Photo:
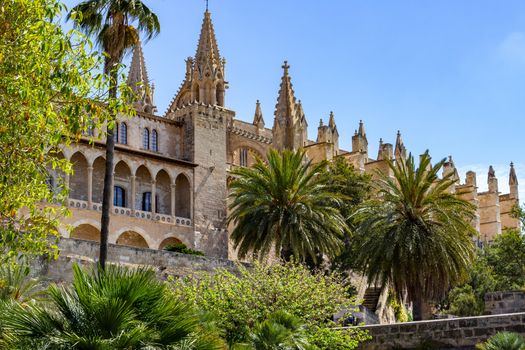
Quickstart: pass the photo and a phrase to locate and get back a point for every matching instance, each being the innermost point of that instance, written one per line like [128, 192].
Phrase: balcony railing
[139, 214]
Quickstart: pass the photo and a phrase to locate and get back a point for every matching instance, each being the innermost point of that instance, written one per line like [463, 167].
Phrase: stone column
[133, 193]
[173, 200]
[153, 190]
[90, 186]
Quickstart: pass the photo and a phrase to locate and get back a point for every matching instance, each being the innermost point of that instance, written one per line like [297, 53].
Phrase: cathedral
[171, 170]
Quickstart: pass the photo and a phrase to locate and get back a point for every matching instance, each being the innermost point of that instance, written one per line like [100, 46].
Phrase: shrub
[241, 301]
[503, 341]
[182, 248]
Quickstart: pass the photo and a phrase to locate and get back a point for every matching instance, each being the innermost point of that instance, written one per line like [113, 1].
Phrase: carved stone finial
[285, 66]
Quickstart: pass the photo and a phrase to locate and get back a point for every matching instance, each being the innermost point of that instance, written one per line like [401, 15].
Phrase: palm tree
[503, 341]
[111, 23]
[114, 308]
[17, 285]
[281, 331]
[287, 205]
[415, 235]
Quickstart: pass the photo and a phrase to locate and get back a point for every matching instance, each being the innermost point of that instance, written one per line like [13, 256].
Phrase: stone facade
[497, 303]
[457, 333]
[171, 171]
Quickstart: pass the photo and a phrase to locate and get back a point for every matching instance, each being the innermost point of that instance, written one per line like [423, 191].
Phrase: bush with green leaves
[242, 300]
[182, 248]
[115, 308]
[503, 341]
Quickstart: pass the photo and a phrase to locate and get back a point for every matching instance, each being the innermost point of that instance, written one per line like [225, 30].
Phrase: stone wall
[504, 302]
[458, 333]
[86, 253]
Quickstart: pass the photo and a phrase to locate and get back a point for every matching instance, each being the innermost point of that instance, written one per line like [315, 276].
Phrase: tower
[199, 110]
[359, 141]
[139, 83]
[290, 126]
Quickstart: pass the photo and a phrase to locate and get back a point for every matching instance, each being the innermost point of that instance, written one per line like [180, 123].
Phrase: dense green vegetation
[415, 235]
[49, 84]
[182, 248]
[241, 302]
[285, 205]
[503, 341]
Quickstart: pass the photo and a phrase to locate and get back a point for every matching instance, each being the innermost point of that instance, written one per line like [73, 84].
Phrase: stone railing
[455, 333]
[139, 214]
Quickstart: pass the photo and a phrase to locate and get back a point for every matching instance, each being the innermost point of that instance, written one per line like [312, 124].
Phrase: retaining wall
[457, 333]
[86, 253]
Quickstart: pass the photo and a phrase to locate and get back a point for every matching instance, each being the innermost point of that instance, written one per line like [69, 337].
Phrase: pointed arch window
[119, 197]
[154, 141]
[243, 157]
[146, 202]
[123, 134]
[145, 138]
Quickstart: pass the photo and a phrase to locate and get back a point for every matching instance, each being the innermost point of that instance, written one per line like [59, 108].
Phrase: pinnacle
[207, 49]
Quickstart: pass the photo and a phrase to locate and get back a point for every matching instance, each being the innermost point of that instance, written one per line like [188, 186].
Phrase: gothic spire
[207, 49]
[400, 150]
[513, 179]
[361, 130]
[286, 106]
[258, 117]
[331, 120]
[138, 81]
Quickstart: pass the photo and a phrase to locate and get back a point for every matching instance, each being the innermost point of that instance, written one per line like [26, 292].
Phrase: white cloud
[512, 48]
[502, 173]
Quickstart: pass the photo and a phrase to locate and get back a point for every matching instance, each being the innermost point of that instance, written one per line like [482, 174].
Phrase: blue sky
[449, 74]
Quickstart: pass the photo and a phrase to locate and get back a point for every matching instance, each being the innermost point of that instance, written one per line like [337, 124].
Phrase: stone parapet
[498, 303]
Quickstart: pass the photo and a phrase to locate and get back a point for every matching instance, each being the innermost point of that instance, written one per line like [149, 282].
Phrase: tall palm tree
[287, 205]
[111, 23]
[114, 308]
[415, 235]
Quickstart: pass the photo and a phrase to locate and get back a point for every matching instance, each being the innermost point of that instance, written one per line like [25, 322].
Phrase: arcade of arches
[140, 190]
[128, 238]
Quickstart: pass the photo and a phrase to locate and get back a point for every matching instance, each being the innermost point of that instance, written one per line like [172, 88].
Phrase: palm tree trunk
[108, 175]
[417, 307]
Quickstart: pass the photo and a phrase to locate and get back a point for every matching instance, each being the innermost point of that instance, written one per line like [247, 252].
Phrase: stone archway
[182, 197]
[163, 193]
[86, 232]
[169, 241]
[78, 181]
[132, 239]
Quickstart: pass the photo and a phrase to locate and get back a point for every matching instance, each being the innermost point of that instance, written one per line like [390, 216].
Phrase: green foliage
[115, 308]
[506, 257]
[356, 188]
[50, 89]
[17, 285]
[241, 301]
[464, 302]
[400, 312]
[503, 341]
[281, 331]
[182, 248]
[285, 204]
[416, 235]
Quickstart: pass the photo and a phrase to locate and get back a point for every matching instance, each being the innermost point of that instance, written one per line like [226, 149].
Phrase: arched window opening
[146, 202]
[145, 139]
[154, 141]
[243, 157]
[119, 197]
[183, 197]
[123, 134]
